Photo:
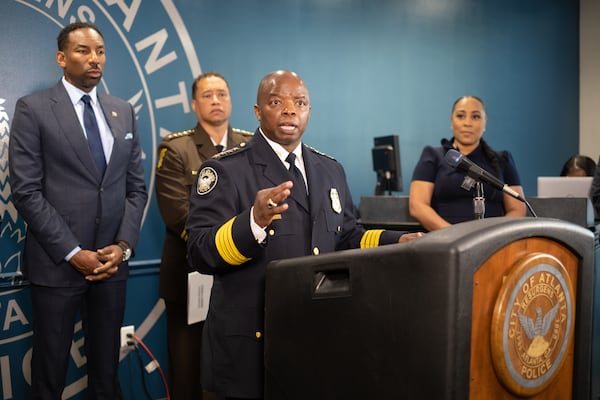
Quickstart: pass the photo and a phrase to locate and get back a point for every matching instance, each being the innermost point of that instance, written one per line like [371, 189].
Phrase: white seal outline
[188, 49]
[76, 387]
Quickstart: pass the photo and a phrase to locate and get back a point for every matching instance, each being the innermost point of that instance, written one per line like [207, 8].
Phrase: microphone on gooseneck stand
[457, 160]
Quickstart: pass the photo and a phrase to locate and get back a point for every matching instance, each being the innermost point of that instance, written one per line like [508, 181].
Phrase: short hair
[63, 35]
[206, 75]
[579, 162]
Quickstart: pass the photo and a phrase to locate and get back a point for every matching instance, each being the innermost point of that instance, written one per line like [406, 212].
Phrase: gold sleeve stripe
[225, 246]
[370, 238]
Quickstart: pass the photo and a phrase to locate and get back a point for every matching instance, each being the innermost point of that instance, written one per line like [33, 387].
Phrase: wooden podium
[499, 308]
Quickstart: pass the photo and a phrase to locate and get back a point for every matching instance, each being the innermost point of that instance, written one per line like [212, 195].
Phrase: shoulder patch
[161, 156]
[319, 152]
[176, 135]
[231, 151]
[243, 132]
[207, 180]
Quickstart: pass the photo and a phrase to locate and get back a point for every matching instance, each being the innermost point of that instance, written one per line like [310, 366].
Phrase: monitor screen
[386, 163]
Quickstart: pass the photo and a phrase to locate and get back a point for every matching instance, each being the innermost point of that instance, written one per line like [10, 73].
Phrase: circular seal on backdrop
[150, 61]
[532, 324]
[207, 180]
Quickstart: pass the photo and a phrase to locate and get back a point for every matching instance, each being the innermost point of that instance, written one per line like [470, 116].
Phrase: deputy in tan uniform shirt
[179, 158]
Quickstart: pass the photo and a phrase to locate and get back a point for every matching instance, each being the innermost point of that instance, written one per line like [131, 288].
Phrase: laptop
[564, 186]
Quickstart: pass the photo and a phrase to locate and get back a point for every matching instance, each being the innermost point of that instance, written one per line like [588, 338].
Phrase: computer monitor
[386, 163]
[564, 186]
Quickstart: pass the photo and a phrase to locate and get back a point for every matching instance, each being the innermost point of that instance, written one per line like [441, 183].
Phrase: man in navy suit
[83, 206]
[255, 204]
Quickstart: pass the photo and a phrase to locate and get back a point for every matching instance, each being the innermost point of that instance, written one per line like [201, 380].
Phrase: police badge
[207, 180]
[335, 200]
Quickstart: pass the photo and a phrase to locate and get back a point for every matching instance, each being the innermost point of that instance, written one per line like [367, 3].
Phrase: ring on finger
[271, 203]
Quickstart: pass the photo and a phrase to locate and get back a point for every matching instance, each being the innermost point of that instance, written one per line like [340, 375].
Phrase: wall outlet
[125, 331]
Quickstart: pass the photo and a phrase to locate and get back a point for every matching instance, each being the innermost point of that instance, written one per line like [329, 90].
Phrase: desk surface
[391, 212]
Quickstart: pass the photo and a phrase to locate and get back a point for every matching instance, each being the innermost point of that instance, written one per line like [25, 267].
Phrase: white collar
[75, 93]
[281, 152]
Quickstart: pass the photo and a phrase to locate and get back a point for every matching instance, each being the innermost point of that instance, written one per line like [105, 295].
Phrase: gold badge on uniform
[207, 180]
[335, 200]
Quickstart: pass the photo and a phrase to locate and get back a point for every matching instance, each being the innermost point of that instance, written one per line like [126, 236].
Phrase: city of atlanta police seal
[532, 324]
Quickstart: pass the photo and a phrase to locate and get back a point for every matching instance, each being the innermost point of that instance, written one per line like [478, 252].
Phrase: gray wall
[590, 79]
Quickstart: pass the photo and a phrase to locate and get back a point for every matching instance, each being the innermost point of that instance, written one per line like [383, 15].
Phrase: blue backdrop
[373, 67]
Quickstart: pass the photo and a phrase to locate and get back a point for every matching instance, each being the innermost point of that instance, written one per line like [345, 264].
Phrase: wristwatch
[126, 251]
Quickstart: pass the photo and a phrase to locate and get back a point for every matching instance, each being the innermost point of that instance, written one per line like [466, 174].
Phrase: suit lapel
[264, 156]
[314, 177]
[203, 143]
[273, 169]
[71, 128]
[110, 115]
[232, 139]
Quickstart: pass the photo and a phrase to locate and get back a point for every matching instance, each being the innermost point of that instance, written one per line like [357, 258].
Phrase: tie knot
[219, 148]
[86, 99]
[291, 158]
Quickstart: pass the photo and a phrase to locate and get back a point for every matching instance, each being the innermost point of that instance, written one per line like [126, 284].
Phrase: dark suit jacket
[221, 242]
[180, 155]
[59, 193]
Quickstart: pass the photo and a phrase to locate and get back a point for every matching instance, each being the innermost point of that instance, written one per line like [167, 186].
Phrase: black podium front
[428, 319]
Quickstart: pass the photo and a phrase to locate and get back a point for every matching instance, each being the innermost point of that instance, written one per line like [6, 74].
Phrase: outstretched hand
[407, 237]
[270, 202]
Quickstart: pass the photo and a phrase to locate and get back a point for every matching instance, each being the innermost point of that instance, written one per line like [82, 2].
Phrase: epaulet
[242, 132]
[319, 152]
[228, 152]
[175, 135]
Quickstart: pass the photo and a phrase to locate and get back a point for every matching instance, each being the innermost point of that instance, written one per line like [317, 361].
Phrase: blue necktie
[299, 188]
[93, 134]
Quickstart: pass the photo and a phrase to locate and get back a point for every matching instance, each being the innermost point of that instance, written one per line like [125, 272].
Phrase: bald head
[271, 80]
[283, 107]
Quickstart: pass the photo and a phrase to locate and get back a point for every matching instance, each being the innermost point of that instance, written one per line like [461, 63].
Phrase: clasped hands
[98, 265]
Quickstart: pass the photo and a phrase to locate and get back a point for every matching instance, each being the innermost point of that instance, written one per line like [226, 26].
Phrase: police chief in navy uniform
[246, 212]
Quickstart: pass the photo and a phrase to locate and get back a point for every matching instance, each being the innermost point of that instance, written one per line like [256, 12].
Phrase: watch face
[126, 252]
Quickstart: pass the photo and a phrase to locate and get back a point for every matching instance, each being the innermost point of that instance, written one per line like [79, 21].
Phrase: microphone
[457, 160]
